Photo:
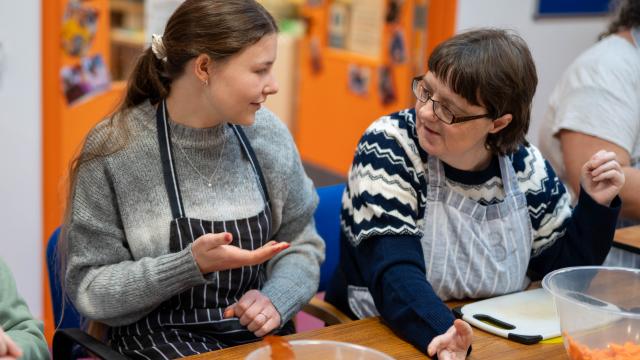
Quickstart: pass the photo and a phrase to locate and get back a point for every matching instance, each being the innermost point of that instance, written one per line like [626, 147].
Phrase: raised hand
[256, 312]
[602, 177]
[454, 344]
[212, 252]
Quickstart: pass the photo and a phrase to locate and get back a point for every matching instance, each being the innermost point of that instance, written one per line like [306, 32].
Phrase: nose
[424, 110]
[272, 86]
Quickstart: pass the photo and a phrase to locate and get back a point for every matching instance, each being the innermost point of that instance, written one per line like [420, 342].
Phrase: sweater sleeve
[394, 269]
[16, 320]
[294, 274]
[102, 279]
[586, 240]
[563, 236]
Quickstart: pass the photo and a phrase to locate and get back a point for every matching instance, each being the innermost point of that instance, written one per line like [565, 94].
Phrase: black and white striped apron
[192, 322]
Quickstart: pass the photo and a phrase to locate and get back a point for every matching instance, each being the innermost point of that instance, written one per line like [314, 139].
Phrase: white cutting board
[531, 316]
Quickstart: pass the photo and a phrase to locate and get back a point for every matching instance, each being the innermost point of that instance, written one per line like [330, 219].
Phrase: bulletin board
[356, 64]
[77, 93]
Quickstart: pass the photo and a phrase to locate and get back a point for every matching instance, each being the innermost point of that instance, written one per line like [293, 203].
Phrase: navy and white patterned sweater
[382, 223]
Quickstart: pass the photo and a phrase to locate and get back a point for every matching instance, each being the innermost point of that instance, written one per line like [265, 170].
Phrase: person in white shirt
[596, 105]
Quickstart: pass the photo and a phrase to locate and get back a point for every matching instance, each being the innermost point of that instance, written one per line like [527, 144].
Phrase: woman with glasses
[449, 201]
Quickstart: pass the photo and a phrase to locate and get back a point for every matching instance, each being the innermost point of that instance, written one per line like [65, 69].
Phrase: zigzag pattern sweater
[382, 224]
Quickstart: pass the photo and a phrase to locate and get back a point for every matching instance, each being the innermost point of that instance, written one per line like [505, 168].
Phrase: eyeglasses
[442, 113]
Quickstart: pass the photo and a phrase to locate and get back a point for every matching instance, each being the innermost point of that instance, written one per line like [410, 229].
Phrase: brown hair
[491, 68]
[217, 28]
[627, 16]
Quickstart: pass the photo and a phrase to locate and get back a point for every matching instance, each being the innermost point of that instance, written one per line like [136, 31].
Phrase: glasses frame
[417, 82]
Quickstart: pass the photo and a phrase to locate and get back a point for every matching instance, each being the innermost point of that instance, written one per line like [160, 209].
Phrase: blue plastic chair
[327, 219]
[71, 318]
[68, 334]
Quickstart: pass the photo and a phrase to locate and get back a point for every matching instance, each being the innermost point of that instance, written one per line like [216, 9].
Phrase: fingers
[8, 347]
[211, 241]
[267, 251]
[464, 331]
[229, 312]
[600, 158]
[256, 312]
[440, 341]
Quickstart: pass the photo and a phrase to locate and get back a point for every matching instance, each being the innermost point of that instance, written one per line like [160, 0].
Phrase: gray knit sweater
[119, 266]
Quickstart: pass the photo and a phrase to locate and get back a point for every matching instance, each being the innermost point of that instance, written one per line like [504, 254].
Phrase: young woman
[177, 199]
[449, 201]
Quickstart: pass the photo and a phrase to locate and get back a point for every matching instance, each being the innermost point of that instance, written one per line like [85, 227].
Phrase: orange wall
[64, 127]
[330, 117]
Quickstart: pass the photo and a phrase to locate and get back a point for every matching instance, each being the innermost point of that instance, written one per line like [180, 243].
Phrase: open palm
[454, 344]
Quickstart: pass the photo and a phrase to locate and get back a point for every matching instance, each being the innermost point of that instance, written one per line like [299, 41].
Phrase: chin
[429, 147]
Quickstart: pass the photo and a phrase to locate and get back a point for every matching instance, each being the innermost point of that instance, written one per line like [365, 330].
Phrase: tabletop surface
[374, 334]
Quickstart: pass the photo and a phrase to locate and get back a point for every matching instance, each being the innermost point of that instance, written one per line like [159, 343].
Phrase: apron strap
[169, 168]
[255, 164]
[168, 163]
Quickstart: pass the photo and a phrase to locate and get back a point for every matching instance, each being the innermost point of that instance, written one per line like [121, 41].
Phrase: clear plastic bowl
[323, 350]
[599, 310]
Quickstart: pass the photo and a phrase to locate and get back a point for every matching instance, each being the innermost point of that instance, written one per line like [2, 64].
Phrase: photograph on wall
[397, 47]
[554, 8]
[386, 86]
[85, 80]
[79, 25]
[338, 25]
[359, 79]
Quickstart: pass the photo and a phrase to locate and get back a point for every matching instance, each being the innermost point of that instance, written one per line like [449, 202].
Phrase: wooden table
[374, 334]
[628, 238]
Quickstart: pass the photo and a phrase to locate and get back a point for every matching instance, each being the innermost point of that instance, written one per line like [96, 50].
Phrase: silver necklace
[208, 181]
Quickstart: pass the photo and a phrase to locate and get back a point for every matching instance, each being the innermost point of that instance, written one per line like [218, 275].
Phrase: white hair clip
[157, 46]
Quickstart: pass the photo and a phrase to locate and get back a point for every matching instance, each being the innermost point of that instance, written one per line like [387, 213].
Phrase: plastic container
[599, 311]
[323, 350]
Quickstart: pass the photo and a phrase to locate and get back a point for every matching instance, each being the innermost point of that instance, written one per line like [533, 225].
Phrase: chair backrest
[327, 218]
[71, 318]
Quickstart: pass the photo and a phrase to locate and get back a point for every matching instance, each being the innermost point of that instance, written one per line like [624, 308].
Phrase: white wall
[20, 146]
[554, 43]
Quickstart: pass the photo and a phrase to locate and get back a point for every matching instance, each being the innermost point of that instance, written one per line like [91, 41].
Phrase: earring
[205, 82]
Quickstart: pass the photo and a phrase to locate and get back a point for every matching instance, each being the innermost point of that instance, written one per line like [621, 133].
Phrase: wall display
[572, 7]
[315, 55]
[386, 85]
[85, 80]
[397, 47]
[359, 79]
[338, 25]
[393, 11]
[78, 28]
[365, 27]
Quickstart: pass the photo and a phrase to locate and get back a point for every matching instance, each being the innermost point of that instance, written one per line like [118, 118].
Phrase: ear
[500, 123]
[203, 66]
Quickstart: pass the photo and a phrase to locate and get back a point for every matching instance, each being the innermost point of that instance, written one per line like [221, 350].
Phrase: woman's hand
[256, 312]
[212, 252]
[454, 344]
[602, 177]
[8, 349]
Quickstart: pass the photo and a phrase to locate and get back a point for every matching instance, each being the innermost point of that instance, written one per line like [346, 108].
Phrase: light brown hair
[492, 68]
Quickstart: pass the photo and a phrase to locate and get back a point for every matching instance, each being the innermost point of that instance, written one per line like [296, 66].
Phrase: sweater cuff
[599, 211]
[178, 271]
[285, 296]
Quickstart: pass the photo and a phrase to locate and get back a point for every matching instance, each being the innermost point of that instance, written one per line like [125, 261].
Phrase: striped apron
[192, 322]
[617, 256]
[470, 250]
